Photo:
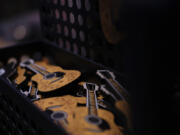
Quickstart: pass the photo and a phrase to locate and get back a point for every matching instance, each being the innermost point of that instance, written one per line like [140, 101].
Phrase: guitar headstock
[90, 86]
[26, 62]
[105, 74]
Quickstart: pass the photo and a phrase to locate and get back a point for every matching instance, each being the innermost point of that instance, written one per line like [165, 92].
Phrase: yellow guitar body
[85, 128]
[51, 84]
[47, 85]
[67, 104]
[77, 124]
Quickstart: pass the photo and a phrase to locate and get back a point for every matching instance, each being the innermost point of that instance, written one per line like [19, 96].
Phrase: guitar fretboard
[36, 68]
[92, 107]
[120, 90]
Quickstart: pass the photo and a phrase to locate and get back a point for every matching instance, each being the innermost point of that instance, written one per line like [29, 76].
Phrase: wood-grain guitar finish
[77, 119]
[48, 77]
[62, 111]
[21, 71]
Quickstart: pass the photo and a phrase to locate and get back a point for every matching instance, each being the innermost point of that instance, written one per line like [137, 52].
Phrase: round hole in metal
[73, 33]
[75, 48]
[64, 16]
[71, 18]
[82, 36]
[68, 46]
[61, 43]
[57, 14]
[66, 31]
[80, 20]
[78, 4]
[87, 5]
[58, 28]
[70, 3]
[62, 2]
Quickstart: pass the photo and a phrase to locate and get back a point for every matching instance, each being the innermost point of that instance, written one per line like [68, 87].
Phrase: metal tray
[17, 114]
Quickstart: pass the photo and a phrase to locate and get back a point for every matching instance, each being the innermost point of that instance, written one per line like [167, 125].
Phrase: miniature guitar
[110, 79]
[75, 119]
[91, 119]
[22, 71]
[48, 77]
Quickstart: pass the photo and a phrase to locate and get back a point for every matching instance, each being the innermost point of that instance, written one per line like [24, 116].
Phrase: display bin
[17, 114]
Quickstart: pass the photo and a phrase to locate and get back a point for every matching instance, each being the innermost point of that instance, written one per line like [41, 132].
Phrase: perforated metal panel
[75, 26]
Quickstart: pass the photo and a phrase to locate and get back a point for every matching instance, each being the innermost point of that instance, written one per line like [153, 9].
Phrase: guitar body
[51, 84]
[76, 123]
[47, 85]
[108, 126]
[66, 104]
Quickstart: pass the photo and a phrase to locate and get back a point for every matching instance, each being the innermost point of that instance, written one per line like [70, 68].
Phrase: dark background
[17, 16]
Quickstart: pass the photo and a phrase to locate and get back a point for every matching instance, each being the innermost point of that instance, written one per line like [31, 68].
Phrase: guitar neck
[92, 102]
[37, 69]
[119, 89]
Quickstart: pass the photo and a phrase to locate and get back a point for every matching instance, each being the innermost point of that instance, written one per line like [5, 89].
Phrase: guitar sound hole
[55, 74]
[93, 120]
[59, 115]
[59, 74]
[49, 76]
